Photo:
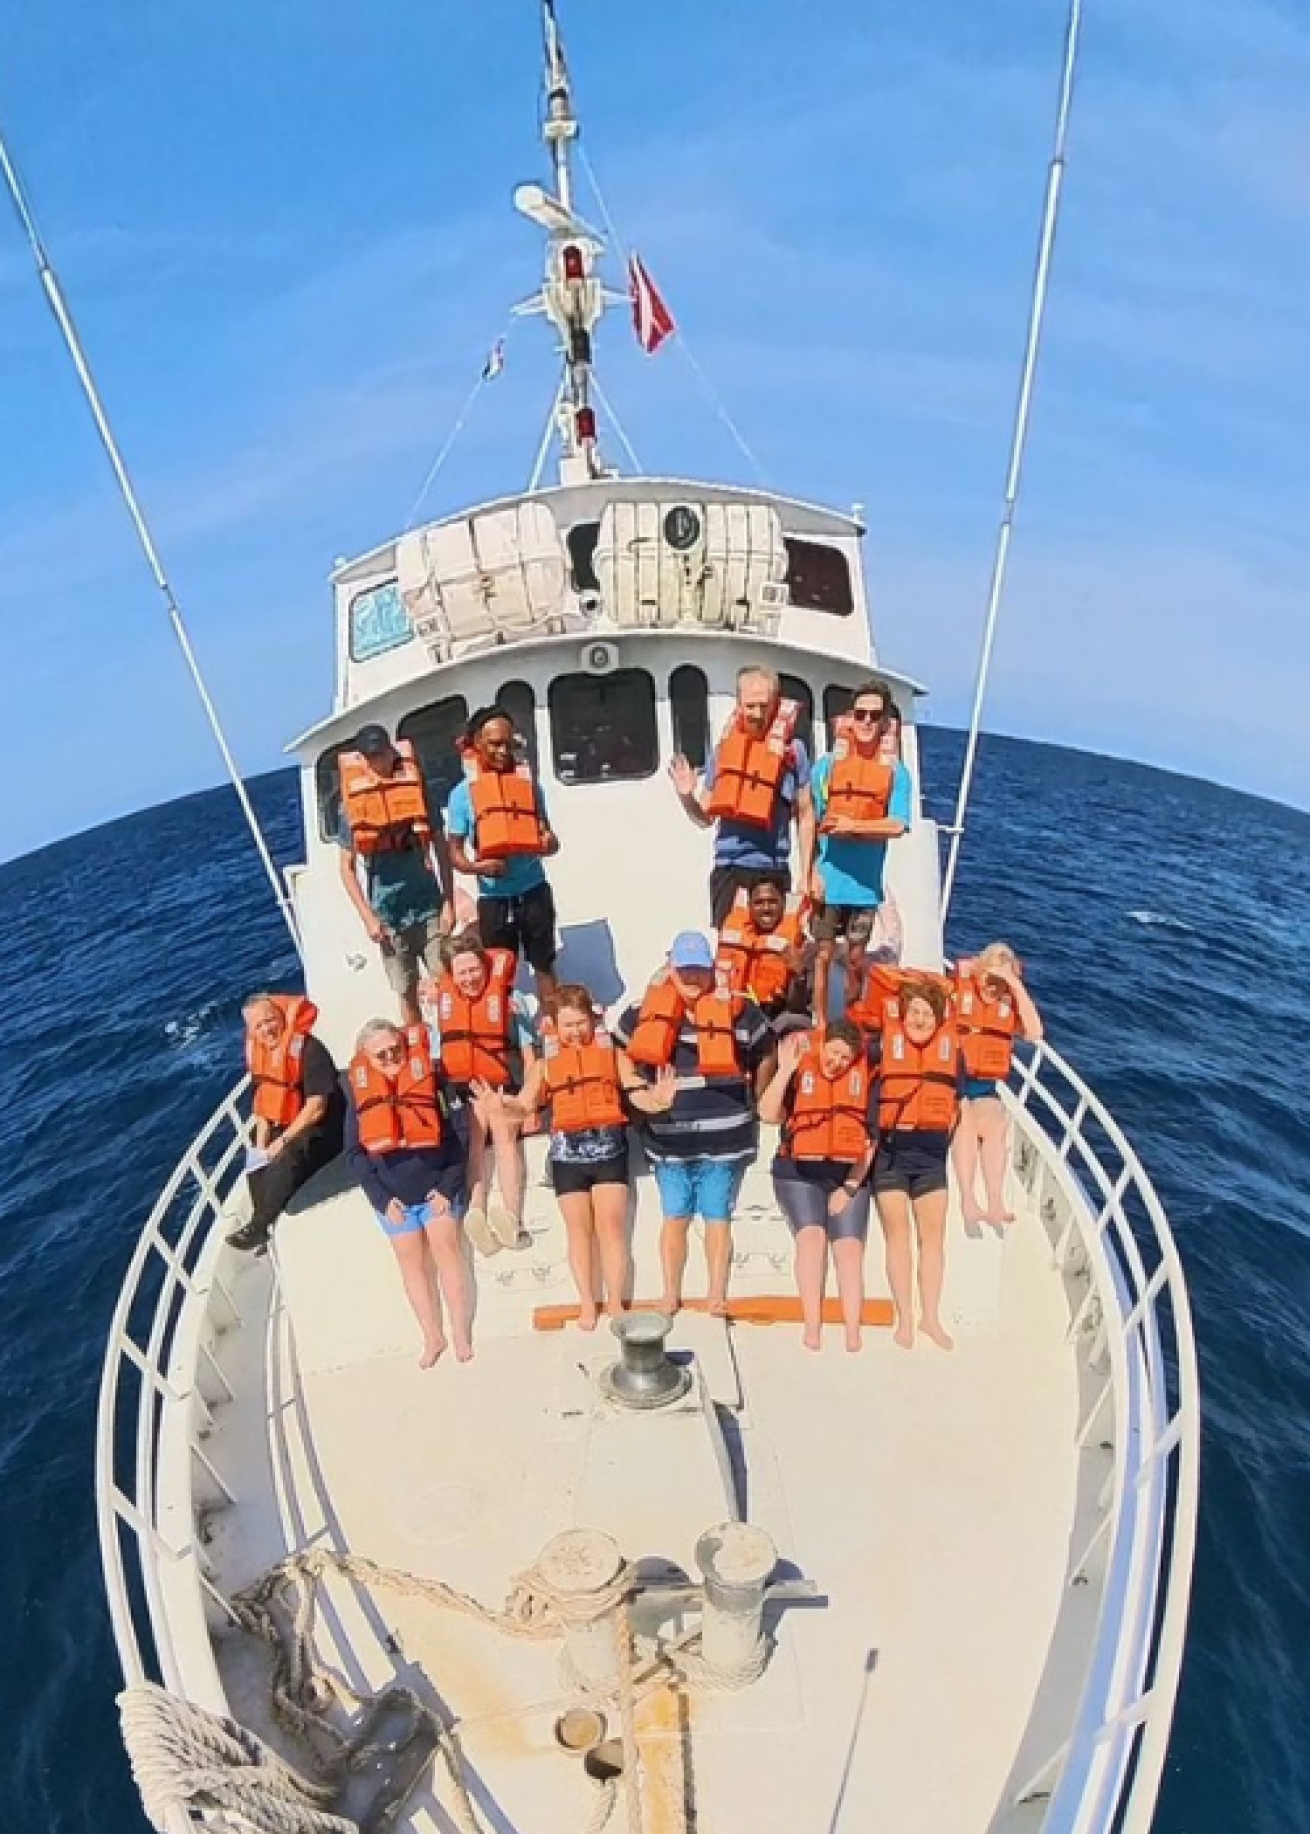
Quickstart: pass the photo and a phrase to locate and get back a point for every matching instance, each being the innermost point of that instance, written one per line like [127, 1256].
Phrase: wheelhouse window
[602, 727]
[818, 577]
[378, 622]
[518, 700]
[794, 688]
[689, 706]
[434, 731]
[327, 785]
[582, 539]
[836, 701]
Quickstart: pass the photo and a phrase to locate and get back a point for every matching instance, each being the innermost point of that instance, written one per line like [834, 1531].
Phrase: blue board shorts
[699, 1187]
[976, 1088]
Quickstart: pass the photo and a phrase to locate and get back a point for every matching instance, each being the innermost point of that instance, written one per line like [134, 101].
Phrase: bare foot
[932, 1329]
[717, 1307]
[854, 1338]
[812, 1338]
[463, 1352]
[973, 1216]
[432, 1349]
[903, 1335]
[999, 1218]
[670, 1305]
[586, 1318]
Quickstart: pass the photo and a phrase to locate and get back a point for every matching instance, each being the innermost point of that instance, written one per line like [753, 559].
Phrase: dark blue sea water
[1166, 927]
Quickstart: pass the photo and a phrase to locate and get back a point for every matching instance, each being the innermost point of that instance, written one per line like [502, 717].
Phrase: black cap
[372, 741]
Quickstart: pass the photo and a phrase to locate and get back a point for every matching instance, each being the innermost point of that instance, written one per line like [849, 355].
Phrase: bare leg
[848, 1262]
[964, 1154]
[894, 1215]
[811, 1277]
[823, 955]
[855, 971]
[511, 1176]
[547, 982]
[418, 1276]
[994, 1140]
[579, 1226]
[718, 1263]
[609, 1209]
[673, 1260]
[443, 1240]
[477, 1158]
[930, 1220]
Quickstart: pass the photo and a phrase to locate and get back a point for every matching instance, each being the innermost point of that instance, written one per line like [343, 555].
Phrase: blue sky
[286, 234]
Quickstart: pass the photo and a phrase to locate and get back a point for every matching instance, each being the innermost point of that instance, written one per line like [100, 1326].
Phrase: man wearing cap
[394, 864]
[708, 1053]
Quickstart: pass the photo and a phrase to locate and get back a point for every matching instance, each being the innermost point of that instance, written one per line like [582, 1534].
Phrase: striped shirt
[708, 1120]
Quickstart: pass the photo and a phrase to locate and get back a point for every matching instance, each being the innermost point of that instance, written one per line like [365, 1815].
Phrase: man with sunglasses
[862, 802]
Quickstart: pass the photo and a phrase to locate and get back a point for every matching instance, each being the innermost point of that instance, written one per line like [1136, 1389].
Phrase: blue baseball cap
[690, 949]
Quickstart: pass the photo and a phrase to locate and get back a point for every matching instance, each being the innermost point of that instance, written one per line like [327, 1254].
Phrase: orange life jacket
[402, 1110]
[748, 771]
[879, 1003]
[755, 962]
[661, 1019]
[829, 1116]
[859, 787]
[582, 1081]
[918, 1085]
[505, 817]
[475, 1034]
[987, 1029]
[385, 813]
[278, 1070]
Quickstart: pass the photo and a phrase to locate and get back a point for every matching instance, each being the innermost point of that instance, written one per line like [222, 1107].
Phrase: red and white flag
[651, 318]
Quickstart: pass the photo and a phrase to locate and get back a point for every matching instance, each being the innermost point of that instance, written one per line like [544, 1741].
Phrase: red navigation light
[586, 424]
[574, 266]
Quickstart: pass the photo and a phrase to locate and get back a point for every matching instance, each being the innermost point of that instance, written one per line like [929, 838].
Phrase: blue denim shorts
[416, 1217]
[699, 1187]
[976, 1089]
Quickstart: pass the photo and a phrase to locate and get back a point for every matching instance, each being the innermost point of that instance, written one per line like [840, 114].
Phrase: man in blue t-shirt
[848, 880]
[516, 908]
[746, 853]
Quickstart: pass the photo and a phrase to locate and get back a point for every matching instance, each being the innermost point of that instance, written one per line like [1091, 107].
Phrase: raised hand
[682, 775]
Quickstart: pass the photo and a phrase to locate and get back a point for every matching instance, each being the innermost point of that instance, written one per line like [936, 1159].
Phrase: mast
[571, 296]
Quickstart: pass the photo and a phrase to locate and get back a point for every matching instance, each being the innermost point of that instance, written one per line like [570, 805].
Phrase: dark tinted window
[518, 700]
[433, 731]
[582, 539]
[327, 780]
[793, 688]
[689, 705]
[818, 578]
[602, 727]
[836, 701]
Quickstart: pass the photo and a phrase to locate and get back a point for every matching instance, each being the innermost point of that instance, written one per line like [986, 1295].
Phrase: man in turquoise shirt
[848, 877]
[516, 908]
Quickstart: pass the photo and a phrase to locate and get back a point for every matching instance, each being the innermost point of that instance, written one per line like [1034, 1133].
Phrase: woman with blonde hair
[992, 1009]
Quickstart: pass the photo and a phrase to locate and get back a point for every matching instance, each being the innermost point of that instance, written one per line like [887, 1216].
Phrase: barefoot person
[394, 864]
[297, 1104]
[486, 1045]
[992, 1008]
[918, 1084]
[411, 1166]
[755, 790]
[819, 1097]
[580, 1076]
[703, 1131]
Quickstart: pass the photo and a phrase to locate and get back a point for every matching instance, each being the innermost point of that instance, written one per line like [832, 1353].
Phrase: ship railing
[1133, 1322]
[161, 1378]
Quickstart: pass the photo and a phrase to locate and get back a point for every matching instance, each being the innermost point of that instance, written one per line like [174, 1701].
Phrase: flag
[495, 361]
[651, 318]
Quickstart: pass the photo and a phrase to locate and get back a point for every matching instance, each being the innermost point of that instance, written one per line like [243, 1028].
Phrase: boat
[674, 1579]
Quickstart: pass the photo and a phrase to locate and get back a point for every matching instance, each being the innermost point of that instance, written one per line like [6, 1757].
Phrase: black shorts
[525, 925]
[853, 921]
[569, 1176]
[727, 881]
[803, 1187]
[911, 1162]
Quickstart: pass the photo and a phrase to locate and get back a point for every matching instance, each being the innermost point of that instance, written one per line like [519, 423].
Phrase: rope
[448, 444]
[1019, 437]
[127, 490]
[617, 424]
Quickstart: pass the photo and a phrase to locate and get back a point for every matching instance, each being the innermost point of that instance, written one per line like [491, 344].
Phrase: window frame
[398, 642]
[797, 548]
[795, 687]
[611, 678]
[702, 690]
[526, 728]
[436, 805]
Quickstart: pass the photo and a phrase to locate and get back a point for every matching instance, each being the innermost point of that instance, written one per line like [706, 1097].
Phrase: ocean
[1165, 924]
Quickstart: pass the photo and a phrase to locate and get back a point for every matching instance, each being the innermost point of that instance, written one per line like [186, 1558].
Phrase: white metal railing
[154, 1370]
[1091, 1191]
[1107, 1224]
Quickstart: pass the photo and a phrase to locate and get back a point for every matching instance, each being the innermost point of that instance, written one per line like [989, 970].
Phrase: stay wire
[702, 380]
[127, 490]
[1019, 436]
[447, 445]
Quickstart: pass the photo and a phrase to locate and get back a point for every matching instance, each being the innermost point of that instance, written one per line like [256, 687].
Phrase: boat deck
[930, 1497]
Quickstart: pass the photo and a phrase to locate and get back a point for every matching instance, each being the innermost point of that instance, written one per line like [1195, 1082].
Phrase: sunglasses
[864, 718]
[392, 1053]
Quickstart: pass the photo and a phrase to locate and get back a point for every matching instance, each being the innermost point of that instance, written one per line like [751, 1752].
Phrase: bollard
[580, 1567]
[737, 1561]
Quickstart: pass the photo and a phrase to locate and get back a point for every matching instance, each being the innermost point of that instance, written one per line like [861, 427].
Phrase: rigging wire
[73, 343]
[547, 436]
[447, 445]
[707, 388]
[1019, 436]
[617, 425]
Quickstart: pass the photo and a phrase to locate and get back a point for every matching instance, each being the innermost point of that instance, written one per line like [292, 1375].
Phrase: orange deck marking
[758, 1309]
